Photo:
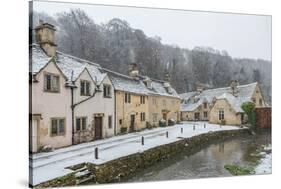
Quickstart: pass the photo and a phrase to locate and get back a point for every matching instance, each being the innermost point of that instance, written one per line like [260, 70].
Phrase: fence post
[96, 153]
[167, 134]
[142, 140]
[181, 130]
[194, 127]
[204, 125]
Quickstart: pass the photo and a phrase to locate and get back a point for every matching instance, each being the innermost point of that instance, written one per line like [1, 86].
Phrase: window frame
[142, 99]
[109, 122]
[81, 123]
[260, 101]
[142, 116]
[58, 133]
[221, 114]
[85, 87]
[52, 75]
[127, 98]
[106, 88]
[205, 114]
[154, 117]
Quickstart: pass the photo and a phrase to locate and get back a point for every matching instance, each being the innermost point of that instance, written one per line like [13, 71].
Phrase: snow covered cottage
[72, 99]
[142, 102]
[214, 105]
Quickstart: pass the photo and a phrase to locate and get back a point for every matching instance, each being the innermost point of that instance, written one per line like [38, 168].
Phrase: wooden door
[165, 116]
[132, 123]
[98, 128]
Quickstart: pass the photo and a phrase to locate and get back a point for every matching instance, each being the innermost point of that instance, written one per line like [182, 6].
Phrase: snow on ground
[47, 166]
[265, 165]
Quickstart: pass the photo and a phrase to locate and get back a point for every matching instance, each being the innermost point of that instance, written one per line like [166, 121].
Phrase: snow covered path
[47, 166]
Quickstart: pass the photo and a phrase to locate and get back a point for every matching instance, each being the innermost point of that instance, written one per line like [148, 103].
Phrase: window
[205, 105]
[205, 114]
[154, 117]
[81, 123]
[142, 99]
[120, 121]
[57, 126]
[85, 88]
[110, 122]
[260, 101]
[51, 83]
[106, 91]
[127, 98]
[221, 114]
[142, 116]
[254, 100]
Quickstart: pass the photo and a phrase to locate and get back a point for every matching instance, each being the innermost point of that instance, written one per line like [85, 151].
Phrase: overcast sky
[242, 36]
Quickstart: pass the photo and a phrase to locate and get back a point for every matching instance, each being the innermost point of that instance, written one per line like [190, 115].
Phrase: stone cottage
[142, 102]
[72, 100]
[214, 105]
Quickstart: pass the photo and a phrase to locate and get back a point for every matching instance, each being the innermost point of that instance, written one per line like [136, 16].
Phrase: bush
[123, 129]
[148, 125]
[171, 122]
[162, 123]
[249, 109]
[223, 122]
[236, 170]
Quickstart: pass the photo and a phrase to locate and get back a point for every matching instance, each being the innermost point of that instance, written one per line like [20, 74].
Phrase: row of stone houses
[221, 105]
[75, 100]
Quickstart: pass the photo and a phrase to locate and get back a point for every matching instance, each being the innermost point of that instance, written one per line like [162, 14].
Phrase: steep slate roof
[67, 63]
[72, 67]
[244, 95]
[159, 89]
[126, 83]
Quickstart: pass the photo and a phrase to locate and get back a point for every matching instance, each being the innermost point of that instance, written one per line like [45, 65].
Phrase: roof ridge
[119, 74]
[84, 60]
[239, 86]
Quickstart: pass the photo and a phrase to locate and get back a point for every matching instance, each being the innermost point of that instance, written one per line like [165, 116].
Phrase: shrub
[148, 125]
[162, 123]
[171, 122]
[249, 109]
[223, 122]
[123, 129]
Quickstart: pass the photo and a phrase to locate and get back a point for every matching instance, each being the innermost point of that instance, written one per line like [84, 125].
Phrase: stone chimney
[234, 87]
[133, 70]
[199, 88]
[167, 77]
[45, 37]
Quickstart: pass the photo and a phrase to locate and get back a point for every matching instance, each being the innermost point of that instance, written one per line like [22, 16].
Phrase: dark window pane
[87, 88]
[54, 127]
[61, 126]
[83, 123]
[48, 82]
[82, 89]
[78, 124]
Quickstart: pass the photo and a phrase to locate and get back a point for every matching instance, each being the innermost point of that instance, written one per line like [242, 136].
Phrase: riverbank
[156, 148]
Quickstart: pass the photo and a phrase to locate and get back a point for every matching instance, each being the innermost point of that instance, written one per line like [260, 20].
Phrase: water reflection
[209, 162]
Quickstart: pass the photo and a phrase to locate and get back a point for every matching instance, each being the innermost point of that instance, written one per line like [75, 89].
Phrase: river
[210, 161]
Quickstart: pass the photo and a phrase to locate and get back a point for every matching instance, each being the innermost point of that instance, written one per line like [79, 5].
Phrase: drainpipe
[72, 115]
[115, 117]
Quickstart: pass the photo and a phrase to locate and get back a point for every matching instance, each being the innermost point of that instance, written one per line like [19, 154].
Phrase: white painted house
[72, 100]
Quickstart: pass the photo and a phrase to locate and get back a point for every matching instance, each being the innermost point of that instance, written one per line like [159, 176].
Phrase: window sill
[85, 95]
[107, 96]
[47, 91]
[53, 135]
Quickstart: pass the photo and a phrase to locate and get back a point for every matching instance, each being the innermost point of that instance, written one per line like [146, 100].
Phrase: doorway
[132, 123]
[98, 128]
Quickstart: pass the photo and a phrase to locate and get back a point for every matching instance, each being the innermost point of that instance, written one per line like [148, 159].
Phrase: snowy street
[47, 166]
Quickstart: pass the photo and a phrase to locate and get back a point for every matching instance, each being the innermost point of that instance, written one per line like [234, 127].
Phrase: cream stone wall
[257, 96]
[51, 105]
[125, 110]
[230, 116]
[160, 104]
[95, 105]
[190, 115]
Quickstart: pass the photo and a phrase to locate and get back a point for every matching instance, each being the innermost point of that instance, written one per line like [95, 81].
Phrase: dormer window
[51, 83]
[85, 88]
[106, 91]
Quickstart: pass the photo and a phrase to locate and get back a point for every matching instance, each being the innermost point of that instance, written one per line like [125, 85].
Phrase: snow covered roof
[67, 63]
[193, 100]
[126, 83]
[158, 88]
